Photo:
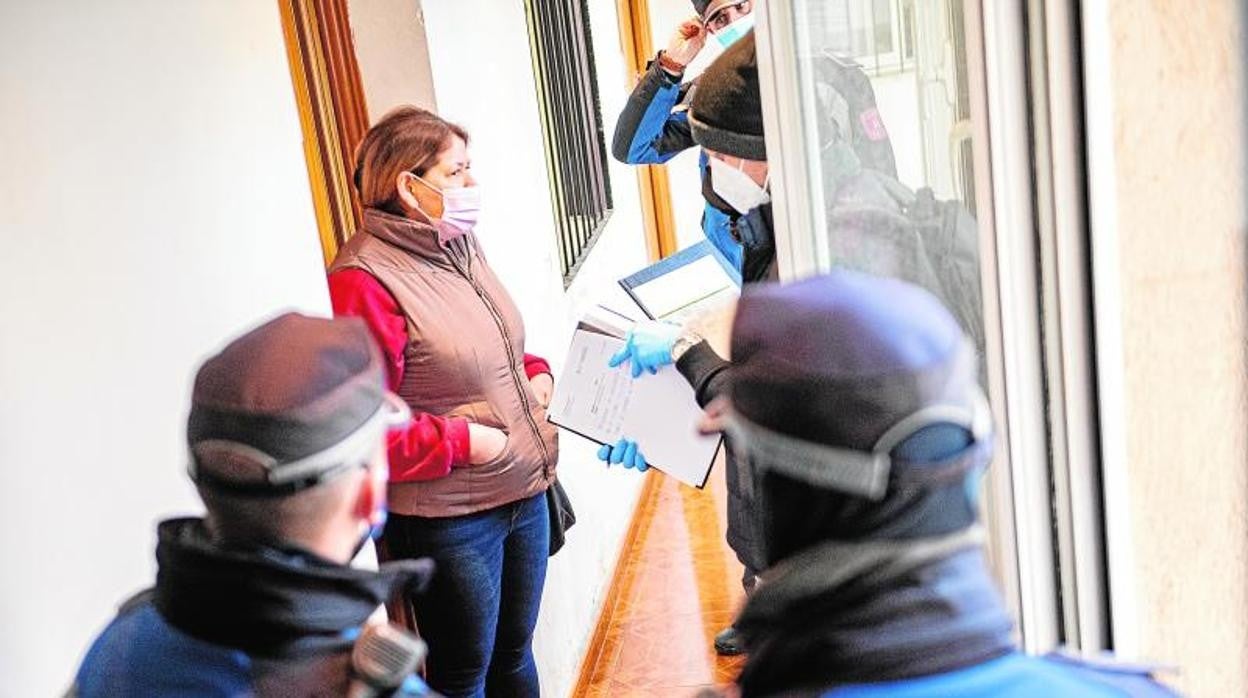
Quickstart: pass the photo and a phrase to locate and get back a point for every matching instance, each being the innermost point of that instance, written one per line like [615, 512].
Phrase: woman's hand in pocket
[543, 387]
[484, 443]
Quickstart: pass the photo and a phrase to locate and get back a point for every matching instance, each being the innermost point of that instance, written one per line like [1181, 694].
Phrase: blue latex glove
[648, 346]
[624, 451]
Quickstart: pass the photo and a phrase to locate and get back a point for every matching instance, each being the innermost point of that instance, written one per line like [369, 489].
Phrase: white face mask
[736, 187]
[461, 206]
[739, 28]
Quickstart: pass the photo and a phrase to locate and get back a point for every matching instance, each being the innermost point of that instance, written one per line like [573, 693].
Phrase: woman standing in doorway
[468, 476]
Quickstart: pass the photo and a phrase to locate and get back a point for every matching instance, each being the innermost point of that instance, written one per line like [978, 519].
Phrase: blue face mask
[379, 527]
[373, 533]
[739, 28]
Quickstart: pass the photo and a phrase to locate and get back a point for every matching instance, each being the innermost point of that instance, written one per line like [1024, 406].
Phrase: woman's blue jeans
[478, 613]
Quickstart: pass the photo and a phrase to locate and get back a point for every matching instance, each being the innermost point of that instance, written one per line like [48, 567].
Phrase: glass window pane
[885, 183]
[883, 25]
[892, 142]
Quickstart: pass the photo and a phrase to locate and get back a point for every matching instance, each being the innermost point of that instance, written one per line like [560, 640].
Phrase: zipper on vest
[466, 271]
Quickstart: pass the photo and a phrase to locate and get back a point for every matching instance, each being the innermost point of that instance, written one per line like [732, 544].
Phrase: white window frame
[1100, 138]
[1071, 362]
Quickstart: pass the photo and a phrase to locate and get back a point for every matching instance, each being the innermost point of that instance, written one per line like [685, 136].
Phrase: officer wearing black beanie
[286, 444]
[653, 128]
[726, 119]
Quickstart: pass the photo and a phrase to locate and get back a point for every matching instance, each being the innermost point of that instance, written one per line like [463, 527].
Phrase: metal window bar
[582, 184]
[544, 36]
[571, 158]
[594, 140]
[572, 134]
[536, 44]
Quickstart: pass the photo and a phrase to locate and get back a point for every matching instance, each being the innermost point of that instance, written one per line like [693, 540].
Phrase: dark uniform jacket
[261, 622]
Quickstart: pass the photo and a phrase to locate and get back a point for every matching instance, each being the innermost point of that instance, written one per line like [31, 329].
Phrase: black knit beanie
[726, 113]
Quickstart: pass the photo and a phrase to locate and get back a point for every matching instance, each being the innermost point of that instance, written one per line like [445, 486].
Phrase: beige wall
[1177, 130]
[392, 53]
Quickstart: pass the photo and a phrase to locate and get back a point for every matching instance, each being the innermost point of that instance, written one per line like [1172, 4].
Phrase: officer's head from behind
[861, 435]
[856, 401]
[287, 437]
[287, 446]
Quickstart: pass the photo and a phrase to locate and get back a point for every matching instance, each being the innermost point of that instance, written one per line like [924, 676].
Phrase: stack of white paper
[657, 411]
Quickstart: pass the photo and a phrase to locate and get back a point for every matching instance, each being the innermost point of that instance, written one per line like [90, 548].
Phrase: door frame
[332, 112]
[652, 180]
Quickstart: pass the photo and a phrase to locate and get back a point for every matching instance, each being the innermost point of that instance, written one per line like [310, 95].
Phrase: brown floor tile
[677, 585]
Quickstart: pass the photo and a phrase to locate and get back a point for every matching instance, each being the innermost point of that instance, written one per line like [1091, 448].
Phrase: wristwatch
[684, 342]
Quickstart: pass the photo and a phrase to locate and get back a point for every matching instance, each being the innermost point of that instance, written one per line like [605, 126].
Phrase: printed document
[658, 411]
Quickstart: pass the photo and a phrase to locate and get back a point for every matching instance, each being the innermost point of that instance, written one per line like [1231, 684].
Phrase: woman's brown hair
[407, 139]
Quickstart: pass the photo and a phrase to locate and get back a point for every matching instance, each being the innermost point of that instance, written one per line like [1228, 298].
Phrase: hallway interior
[677, 585]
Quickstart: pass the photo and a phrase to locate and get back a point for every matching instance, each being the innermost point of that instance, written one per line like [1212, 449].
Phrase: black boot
[728, 642]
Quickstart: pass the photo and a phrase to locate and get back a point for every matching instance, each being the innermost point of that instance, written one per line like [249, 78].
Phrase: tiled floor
[678, 585]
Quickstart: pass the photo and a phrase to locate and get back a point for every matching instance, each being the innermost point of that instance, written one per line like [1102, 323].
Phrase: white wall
[390, 48]
[153, 201]
[483, 80]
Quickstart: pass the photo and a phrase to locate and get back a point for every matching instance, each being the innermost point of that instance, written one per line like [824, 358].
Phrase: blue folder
[667, 265]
